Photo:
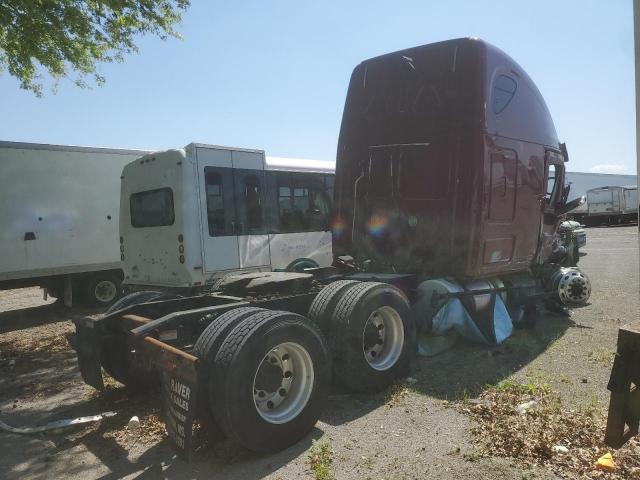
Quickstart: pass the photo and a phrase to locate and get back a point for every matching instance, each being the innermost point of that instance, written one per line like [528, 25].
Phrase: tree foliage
[59, 36]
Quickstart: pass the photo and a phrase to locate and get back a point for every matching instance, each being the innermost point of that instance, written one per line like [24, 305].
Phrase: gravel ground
[412, 432]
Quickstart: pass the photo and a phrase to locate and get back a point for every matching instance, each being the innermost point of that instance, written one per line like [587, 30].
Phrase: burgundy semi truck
[448, 165]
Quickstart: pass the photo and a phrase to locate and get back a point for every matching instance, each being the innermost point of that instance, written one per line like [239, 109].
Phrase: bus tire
[299, 264]
[373, 337]
[270, 380]
[323, 305]
[206, 349]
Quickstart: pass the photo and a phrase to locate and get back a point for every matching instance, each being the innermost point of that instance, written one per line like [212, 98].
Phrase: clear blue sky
[273, 75]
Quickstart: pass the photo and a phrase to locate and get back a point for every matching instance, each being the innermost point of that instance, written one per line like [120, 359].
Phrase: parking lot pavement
[410, 433]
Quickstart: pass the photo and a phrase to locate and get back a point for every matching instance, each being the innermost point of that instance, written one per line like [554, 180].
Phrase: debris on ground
[536, 438]
[144, 424]
[28, 344]
[134, 423]
[525, 407]
[605, 462]
[396, 394]
[56, 424]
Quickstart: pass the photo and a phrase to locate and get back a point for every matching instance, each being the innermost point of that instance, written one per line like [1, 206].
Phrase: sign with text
[179, 395]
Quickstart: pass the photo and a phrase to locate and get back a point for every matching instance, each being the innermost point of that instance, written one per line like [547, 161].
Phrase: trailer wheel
[206, 348]
[373, 336]
[324, 303]
[102, 289]
[270, 380]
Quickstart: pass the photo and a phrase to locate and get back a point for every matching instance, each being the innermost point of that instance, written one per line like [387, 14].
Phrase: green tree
[59, 36]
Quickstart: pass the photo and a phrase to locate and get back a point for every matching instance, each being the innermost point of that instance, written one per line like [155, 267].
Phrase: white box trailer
[59, 217]
[612, 205]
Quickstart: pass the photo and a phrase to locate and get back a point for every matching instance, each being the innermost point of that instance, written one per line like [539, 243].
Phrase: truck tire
[373, 337]
[270, 380]
[206, 349]
[323, 305]
[102, 289]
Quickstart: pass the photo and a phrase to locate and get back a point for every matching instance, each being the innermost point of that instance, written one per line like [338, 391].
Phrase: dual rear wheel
[265, 375]
[265, 378]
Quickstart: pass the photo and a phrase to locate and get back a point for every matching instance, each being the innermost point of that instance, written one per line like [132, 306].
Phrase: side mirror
[563, 149]
[575, 203]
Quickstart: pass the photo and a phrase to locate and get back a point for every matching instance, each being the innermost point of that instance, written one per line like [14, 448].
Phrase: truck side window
[504, 88]
[252, 202]
[551, 182]
[215, 203]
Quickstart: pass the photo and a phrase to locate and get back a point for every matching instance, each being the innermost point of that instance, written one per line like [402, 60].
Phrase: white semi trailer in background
[59, 213]
[612, 205]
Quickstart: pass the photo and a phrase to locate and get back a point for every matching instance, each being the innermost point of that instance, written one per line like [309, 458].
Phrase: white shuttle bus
[190, 216]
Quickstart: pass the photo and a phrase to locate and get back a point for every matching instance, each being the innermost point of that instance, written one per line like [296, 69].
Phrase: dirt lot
[416, 430]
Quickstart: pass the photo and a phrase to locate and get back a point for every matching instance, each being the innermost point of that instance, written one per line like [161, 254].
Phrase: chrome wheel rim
[105, 291]
[283, 383]
[383, 338]
[574, 287]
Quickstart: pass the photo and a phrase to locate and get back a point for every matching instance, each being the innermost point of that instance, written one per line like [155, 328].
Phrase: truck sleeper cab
[190, 216]
[447, 165]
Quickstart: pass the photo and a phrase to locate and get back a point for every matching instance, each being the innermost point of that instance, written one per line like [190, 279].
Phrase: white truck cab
[191, 215]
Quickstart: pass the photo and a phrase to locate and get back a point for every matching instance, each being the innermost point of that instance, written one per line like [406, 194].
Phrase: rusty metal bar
[157, 343]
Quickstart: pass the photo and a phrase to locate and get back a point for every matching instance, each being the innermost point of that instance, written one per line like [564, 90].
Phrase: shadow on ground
[461, 372]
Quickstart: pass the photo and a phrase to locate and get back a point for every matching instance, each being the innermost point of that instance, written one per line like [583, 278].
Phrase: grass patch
[320, 460]
[532, 388]
[604, 357]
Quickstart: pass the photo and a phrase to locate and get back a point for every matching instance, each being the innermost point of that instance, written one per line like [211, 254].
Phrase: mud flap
[89, 348]
[179, 394]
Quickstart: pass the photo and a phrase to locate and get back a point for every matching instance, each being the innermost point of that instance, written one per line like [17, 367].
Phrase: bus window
[215, 202]
[253, 203]
[320, 210]
[153, 208]
[303, 205]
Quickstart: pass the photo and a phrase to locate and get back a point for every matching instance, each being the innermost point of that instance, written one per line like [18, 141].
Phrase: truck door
[551, 199]
[218, 211]
[249, 184]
